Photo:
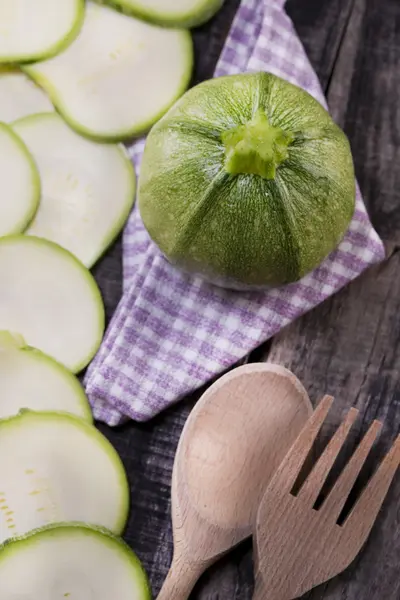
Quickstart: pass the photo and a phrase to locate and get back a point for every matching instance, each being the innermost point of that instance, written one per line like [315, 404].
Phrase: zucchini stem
[256, 148]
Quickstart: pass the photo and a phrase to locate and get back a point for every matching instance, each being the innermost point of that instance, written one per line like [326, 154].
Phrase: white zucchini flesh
[32, 380]
[35, 29]
[55, 467]
[51, 299]
[88, 188]
[119, 76]
[71, 561]
[178, 13]
[20, 96]
[19, 183]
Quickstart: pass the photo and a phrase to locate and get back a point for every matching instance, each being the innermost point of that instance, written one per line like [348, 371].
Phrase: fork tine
[337, 497]
[374, 494]
[289, 469]
[314, 482]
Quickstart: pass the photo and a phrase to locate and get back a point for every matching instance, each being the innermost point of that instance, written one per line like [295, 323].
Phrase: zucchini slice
[88, 188]
[119, 76]
[33, 30]
[19, 183]
[56, 467]
[20, 96]
[33, 380]
[71, 561]
[51, 299]
[170, 13]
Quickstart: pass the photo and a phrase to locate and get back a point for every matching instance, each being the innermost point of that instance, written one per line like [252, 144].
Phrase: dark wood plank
[370, 114]
[321, 25]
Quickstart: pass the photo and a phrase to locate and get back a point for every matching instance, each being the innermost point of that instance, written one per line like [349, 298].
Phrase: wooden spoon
[230, 447]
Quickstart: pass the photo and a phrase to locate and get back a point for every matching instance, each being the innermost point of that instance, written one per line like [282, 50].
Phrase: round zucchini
[247, 181]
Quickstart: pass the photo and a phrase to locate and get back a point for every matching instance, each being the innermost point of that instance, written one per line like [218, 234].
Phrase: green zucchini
[71, 560]
[88, 188]
[119, 76]
[36, 30]
[33, 380]
[51, 299]
[56, 467]
[247, 181]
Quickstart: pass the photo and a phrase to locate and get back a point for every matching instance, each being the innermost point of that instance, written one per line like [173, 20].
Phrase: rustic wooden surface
[349, 346]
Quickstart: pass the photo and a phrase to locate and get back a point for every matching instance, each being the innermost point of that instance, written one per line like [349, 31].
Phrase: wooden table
[349, 346]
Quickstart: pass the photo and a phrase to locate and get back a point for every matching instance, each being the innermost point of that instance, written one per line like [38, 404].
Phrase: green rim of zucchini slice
[56, 467]
[32, 380]
[36, 30]
[119, 76]
[19, 183]
[51, 299]
[88, 188]
[169, 13]
[77, 561]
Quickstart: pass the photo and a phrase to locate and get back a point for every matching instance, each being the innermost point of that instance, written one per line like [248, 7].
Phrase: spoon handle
[180, 580]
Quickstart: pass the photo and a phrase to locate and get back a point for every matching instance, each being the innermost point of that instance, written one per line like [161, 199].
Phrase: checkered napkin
[173, 332]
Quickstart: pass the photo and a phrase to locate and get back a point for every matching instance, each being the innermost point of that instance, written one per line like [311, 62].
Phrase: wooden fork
[298, 547]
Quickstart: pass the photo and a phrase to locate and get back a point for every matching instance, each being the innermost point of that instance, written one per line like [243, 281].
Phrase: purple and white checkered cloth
[173, 332]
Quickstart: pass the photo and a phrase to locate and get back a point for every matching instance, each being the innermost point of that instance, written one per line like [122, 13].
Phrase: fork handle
[180, 580]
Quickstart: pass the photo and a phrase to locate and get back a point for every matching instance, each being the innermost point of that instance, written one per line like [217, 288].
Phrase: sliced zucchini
[33, 30]
[170, 13]
[19, 183]
[51, 299]
[20, 96]
[33, 380]
[56, 467]
[119, 76]
[87, 188]
[72, 561]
